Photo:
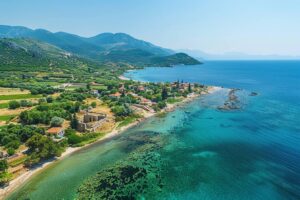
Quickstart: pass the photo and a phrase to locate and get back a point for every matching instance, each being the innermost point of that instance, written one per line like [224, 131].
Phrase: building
[145, 101]
[90, 122]
[56, 132]
[117, 95]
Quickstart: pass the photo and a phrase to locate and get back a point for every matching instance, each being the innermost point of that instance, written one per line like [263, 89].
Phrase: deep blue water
[198, 151]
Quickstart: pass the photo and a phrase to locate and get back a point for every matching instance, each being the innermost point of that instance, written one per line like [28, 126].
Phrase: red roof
[54, 130]
[117, 94]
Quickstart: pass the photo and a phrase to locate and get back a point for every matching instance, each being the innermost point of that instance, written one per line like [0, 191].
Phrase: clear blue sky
[216, 26]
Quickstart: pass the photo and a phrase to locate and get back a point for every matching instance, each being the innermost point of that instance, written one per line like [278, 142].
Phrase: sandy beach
[20, 180]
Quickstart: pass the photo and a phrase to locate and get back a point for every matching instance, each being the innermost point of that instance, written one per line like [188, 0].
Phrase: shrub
[10, 151]
[14, 104]
[94, 104]
[56, 121]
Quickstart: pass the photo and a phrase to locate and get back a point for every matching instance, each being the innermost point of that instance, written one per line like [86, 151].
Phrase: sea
[197, 151]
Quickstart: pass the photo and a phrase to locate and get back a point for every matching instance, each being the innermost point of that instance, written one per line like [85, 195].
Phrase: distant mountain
[236, 56]
[28, 54]
[107, 47]
[122, 41]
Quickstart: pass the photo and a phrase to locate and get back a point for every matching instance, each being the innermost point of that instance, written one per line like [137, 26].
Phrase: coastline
[20, 180]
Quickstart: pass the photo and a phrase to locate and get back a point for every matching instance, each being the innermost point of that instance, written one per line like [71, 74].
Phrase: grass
[3, 105]
[18, 161]
[19, 96]
[127, 121]
[6, 117]
[99, 87]
[173, 100]
[89, 138]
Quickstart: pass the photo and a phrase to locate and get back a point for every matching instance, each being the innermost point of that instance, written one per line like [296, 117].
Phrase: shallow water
[197, 151]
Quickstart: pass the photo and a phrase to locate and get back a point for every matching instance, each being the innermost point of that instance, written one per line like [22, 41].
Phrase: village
[81, 114]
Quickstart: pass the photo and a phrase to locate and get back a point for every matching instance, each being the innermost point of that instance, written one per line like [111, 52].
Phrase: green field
[19, 96]
[6, 117]
[99, 87]
[3, 105]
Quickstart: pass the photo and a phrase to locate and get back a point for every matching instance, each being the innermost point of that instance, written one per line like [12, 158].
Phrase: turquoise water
[197, 151]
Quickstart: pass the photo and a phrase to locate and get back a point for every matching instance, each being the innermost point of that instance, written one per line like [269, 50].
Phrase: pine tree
[164, 93]
[74, 122]
[190, 88]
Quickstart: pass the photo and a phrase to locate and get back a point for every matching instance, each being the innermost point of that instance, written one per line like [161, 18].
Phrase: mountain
[122, 41]
[28, 54]
[236, 56]
[107, 47]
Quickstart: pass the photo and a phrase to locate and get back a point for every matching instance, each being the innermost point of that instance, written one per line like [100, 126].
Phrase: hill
[28, 54]
[108, 47]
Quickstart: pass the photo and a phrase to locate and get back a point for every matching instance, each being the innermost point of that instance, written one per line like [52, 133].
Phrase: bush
[14, 104]
[10, 151]
[94, 104]
[49, 99]
[23, 103]
[56, 121]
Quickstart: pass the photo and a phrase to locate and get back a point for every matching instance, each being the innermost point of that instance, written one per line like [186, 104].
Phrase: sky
[258, 27]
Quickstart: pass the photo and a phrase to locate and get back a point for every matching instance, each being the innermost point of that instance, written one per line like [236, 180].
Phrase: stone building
[90, 122]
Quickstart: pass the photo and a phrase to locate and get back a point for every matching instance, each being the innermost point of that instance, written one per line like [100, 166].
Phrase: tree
[49, 99]
[11, 151]
[23, 103]
[74, 122]
[94, 104]
[4, 175]
[88, 86]
[190, 88]
[3, 165]
[56, 121]
[41, 147]
[164, 93]
[14, 104]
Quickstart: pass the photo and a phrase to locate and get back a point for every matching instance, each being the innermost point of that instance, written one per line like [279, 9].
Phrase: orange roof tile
[54, 130]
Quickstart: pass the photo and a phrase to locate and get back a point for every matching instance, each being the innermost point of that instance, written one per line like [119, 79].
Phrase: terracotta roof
[54, 130]
[117, 94]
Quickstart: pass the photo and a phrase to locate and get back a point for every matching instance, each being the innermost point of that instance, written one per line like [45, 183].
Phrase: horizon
[268, 28]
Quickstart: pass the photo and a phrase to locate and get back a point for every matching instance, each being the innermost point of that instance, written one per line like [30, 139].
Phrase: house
[56, 132]
[95, 92]
[141, 88]
[117, 94]
[122, 88]
[145, 101]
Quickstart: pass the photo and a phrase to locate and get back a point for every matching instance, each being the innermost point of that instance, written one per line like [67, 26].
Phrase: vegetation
[107, 47]
[4, 175]
[57, 75]
[42, 148]
[19, 96]
[80, 140]
[12, 136]
[6, 117]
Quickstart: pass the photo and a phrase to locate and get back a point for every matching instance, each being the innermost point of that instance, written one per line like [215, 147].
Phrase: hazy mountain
[236, 56]
[108, 47]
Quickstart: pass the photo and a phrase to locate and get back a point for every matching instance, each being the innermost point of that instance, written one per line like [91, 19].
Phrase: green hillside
[30, 55]
[105, 47]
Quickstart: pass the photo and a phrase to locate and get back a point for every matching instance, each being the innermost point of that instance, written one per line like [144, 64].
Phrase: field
[11, 91]
[19, 96]
[3, 105]
[99, 87]
[6, 117]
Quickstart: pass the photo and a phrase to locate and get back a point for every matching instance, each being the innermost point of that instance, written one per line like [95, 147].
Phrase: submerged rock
[253, 94]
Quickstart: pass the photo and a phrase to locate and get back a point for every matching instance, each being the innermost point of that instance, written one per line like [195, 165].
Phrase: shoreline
[20, 180]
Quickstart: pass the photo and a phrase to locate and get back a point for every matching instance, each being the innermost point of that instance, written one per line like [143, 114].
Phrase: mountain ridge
[99, 47]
